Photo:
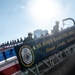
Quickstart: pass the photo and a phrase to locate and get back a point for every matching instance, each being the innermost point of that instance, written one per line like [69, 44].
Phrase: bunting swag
[35, 51]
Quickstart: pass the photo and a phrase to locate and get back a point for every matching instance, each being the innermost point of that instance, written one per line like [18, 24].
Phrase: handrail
[69, 19]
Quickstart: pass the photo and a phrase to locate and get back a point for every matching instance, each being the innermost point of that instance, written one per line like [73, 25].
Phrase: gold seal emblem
[26, 55]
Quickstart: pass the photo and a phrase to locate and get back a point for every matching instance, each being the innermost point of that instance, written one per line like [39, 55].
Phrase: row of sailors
[12, 43]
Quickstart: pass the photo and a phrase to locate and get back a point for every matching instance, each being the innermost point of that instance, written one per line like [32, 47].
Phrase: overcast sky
[18, 17]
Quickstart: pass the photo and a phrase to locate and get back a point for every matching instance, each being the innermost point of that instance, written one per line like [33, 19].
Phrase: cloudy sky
[18, 17]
